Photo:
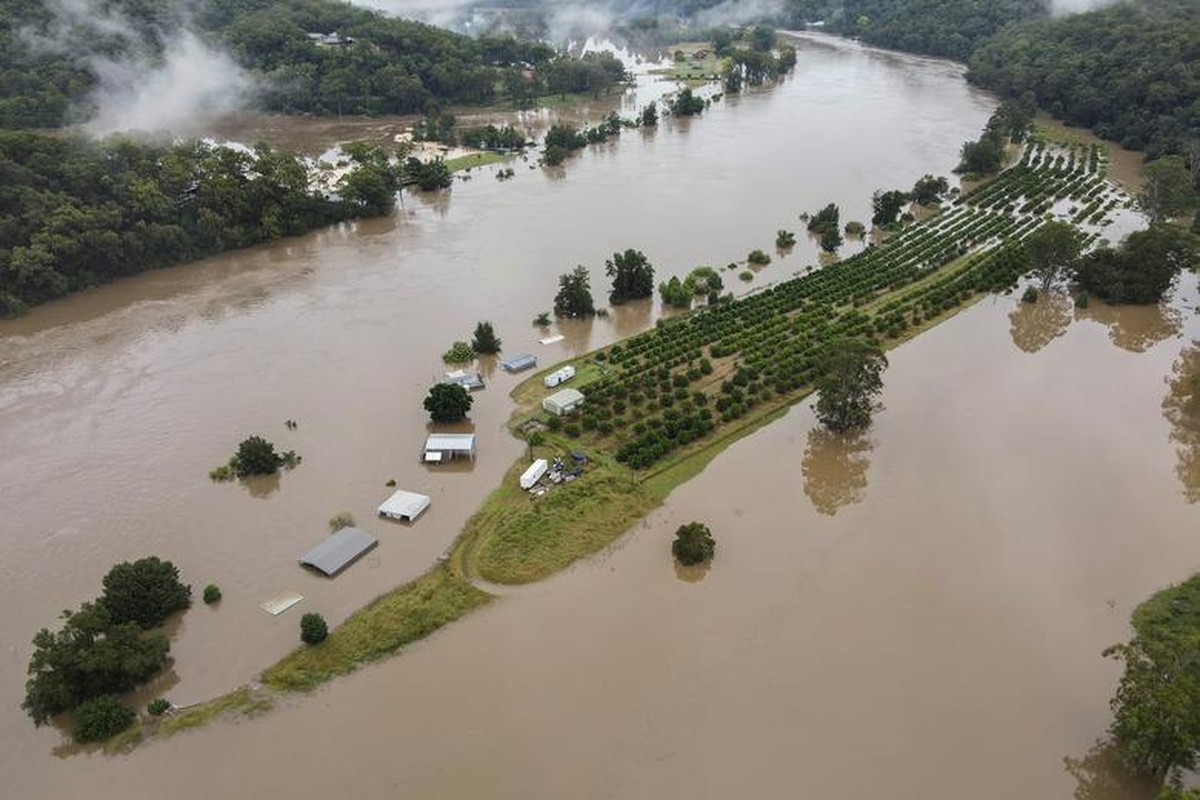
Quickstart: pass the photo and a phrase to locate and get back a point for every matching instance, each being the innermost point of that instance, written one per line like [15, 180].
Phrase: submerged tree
[257, 456]
[694, 544]
[485, 339]
[1142, 269]
[851, 379]
[574, 298]
[89, 657]
[886, 206]
[448, 402]
[145, 592]
[632, 276]
[1052, 250]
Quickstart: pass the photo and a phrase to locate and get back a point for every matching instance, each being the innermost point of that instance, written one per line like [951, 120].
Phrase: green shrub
[1030, 296]
[459, 353]
[158, 707]
[101, 718]
[758, 258]
[313, 629]
[212, 593]
[342, 519]
[746, 275]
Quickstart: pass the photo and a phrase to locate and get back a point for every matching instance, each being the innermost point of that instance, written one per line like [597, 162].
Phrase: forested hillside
[74, 213]
[949, 28]
[50, 57]
[1129, 72]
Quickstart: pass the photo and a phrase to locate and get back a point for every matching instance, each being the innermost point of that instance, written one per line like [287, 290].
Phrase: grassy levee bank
[391, 621]
[662, 404]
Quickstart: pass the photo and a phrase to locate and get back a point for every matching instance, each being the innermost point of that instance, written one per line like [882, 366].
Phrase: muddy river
[922, 607]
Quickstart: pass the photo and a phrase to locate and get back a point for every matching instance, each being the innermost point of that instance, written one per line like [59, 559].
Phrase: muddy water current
[919, 608]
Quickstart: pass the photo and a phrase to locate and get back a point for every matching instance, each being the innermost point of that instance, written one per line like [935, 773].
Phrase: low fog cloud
[148, 78]
[566, 19]
[1060, 7]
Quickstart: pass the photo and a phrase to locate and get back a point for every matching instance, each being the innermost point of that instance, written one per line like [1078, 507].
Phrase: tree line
[377, 65]
[75, 213]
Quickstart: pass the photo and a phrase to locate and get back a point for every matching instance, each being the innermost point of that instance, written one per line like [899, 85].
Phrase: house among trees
[334, 39]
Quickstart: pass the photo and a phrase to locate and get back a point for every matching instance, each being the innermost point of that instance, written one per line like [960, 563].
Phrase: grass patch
[243, 700]
[476, 160]
[393, 620]
[516, 538]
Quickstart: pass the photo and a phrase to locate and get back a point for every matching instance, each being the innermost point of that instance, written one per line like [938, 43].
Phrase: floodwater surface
[923, 607]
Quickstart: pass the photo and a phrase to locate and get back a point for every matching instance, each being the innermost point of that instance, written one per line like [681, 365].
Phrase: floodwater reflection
[1035, 325]
[694, 573]
[1134, 328]
[1181, 407]
[1101, 775]
[261, 486]
[835, 469]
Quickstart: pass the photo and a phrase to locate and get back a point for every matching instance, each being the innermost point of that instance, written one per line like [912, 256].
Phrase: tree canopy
[89, 657]
[485, 339]
[448, 402]
[851, 379]
[574, 298]
[144, 592]
[74, 213]
[1053, 250]
[1142, 269]
[694, 544]
[632, 276]
[1156, 708]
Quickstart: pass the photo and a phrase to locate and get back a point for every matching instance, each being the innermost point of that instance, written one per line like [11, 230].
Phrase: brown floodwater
[928, 601]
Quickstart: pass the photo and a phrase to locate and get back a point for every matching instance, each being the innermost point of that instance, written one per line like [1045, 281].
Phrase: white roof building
[444, 446]
[404, 506]
[563, 402]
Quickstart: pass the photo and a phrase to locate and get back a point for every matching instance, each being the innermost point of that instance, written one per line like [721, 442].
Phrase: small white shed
[404, 506]
[534, 474]
[563, 402]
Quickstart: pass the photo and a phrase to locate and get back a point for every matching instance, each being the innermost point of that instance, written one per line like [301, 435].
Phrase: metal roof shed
[563, 402]
[404, 506]
[519, 363]
[449, 445]
[339, 551]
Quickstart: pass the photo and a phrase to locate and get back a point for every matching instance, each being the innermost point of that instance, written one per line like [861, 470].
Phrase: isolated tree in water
[448, 402]
[485, 339]
[851, 380]
[632, 274]
[693, 544]
[574, 298]
[257, 456]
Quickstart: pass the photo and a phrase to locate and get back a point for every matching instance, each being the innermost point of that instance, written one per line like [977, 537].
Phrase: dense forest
[1126, 71]
[51, 54]
[74, 213]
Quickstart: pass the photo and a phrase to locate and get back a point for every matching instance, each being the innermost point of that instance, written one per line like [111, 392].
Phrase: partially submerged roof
[404, 505]
[339, 550]
[451, 442]
[279, 603]
[519, 363]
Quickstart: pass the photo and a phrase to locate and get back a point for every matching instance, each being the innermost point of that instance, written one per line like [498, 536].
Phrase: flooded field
[929, 600]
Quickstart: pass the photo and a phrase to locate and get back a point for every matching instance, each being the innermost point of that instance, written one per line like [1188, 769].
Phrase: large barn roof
[339, 550]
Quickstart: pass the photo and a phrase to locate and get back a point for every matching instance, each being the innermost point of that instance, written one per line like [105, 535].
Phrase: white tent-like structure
[534, 474]
[404, 506]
